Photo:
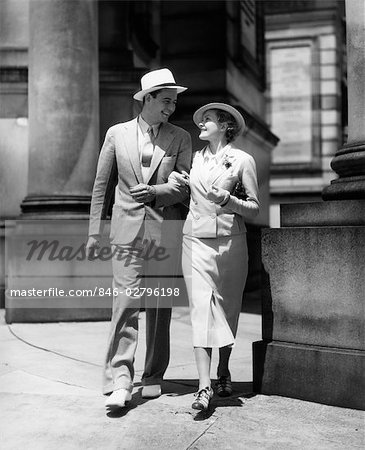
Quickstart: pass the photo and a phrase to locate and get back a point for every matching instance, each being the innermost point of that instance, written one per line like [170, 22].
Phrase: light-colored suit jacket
[206, 219]
[119, 169]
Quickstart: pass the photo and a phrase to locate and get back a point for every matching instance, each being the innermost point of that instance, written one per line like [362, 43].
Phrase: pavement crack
[201, 434]
[50, 351]
[55, 380]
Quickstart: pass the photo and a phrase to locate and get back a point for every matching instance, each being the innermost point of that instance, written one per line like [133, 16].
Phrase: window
[292, 114]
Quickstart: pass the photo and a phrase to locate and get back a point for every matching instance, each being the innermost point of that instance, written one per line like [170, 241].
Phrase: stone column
[349, 161]
[63, 95]
[63, 106]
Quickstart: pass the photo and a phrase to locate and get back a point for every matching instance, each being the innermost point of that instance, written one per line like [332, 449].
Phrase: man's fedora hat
[198, 115]
[155, 80]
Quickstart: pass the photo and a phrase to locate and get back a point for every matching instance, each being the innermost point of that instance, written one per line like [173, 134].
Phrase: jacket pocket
[228, 224]
[168, 158]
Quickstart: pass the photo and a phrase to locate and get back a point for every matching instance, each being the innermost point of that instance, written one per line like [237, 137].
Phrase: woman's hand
[181, 179]
[218, 195]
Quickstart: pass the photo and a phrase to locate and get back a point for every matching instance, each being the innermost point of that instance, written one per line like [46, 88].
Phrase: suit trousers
[134, 269]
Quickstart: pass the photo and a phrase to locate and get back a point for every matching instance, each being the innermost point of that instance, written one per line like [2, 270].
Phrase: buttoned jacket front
[207, 219]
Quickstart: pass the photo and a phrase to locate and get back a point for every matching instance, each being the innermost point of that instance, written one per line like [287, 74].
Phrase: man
[142, 152]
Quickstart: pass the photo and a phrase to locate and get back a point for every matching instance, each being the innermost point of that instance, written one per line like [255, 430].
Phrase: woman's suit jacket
[207, 219]
[119, 169]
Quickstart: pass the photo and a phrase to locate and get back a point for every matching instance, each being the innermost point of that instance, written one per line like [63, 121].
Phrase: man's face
[159, 109]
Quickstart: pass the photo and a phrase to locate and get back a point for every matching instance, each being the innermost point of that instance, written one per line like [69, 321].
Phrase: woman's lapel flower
[227, 161]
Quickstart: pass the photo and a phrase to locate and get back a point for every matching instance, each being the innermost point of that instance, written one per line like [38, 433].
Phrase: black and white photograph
[182, 224]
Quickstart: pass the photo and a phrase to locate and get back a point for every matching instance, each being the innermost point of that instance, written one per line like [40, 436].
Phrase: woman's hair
[232, 125]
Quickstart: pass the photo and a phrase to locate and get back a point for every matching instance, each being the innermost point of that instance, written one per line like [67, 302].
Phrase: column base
[49, 277]
[349, 164]
[350, 188]
[323, 214]
[46, 315]
[41, 206]
[319, 374]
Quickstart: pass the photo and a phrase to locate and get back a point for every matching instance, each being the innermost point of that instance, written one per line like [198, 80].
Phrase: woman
[215, 259]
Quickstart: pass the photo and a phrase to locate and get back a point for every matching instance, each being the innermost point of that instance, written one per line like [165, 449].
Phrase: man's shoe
[151, 391]
[118, 399]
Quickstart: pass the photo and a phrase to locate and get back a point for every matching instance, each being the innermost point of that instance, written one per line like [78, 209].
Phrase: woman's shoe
[203, 398]
[224, 386]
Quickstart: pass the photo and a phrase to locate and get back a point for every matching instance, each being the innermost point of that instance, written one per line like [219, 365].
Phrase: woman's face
[210, 128]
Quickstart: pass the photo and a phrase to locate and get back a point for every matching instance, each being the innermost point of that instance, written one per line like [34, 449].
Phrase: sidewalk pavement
[50, 377]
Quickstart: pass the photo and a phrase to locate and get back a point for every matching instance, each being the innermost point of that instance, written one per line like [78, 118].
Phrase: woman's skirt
[215, 272]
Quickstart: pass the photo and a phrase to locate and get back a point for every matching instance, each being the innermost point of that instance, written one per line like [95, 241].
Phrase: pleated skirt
[215, 272]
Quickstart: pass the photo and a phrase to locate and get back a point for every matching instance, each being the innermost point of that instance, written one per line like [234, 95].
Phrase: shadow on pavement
[183, 387]
[174, 388]
[241, 391]
[178, 387]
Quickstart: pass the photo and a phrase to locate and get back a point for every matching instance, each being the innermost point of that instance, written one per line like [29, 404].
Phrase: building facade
[306, 96]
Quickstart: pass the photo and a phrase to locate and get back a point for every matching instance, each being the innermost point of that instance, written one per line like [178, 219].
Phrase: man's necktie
[147, 151]
[151, 135]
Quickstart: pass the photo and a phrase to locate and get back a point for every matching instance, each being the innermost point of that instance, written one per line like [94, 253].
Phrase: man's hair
[232, 125]
[153, 94]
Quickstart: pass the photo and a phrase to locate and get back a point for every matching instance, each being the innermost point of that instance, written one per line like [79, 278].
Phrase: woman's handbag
[239, 191]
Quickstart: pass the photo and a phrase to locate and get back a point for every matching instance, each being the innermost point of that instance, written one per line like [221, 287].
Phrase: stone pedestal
[312, 373]
[313, 345]
[63, 106]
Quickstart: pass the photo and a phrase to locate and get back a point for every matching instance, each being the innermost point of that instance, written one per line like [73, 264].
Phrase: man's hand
[218, 195]
[143, 193]
[92, 247]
